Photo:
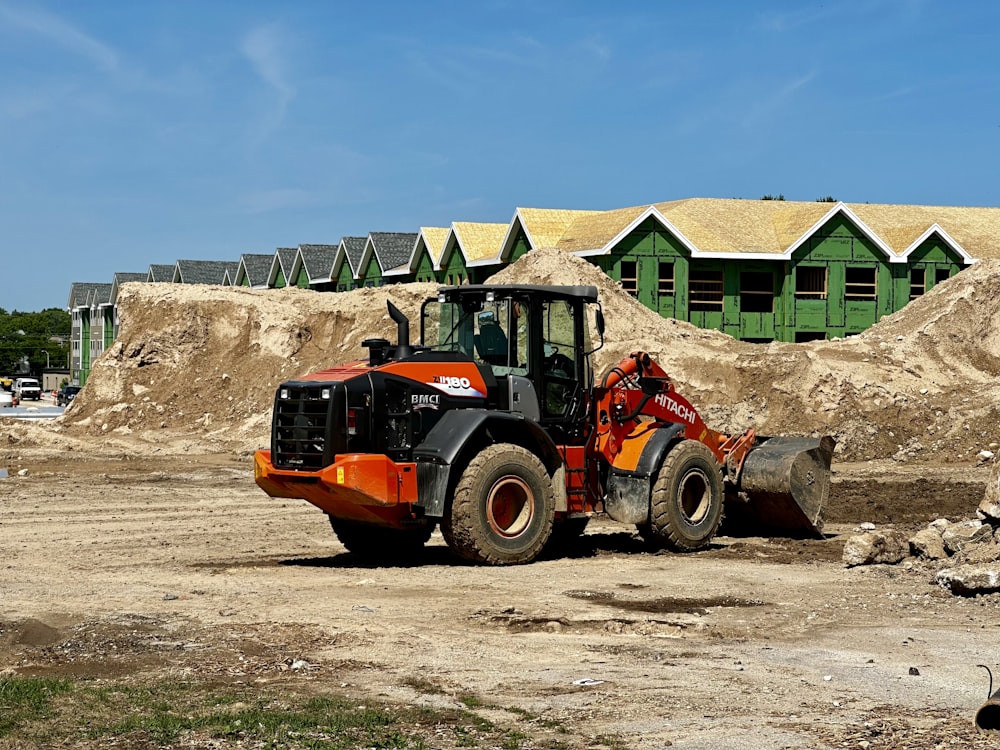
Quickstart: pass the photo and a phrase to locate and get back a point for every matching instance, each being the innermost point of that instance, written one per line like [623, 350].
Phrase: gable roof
[354, 249]
[160, 272]
[255, 268]
[391, 249]
[81, 292]
[542, 226]
[431, 239]
[284, 257]
[477, 241]
[595, 229]
[975, 231]
[318, 261]
[203, 271]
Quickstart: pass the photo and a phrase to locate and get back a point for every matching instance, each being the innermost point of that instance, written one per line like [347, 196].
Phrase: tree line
[33, 342]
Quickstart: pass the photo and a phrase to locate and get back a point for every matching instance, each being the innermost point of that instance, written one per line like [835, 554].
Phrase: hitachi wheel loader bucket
[785, 483]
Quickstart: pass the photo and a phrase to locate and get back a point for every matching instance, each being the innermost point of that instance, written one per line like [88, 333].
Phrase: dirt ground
[134, 544]
[144, 568]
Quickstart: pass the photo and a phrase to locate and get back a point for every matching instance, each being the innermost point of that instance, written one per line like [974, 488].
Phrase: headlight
[325, 394]
[283, 394]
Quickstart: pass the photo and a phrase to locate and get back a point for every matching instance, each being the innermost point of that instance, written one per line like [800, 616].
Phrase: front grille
[306, 431]
[398, 424]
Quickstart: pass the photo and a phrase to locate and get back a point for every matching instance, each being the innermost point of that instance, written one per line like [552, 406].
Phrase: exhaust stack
[403, 348]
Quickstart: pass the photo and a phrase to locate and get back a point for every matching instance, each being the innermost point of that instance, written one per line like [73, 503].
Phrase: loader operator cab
[535, 341]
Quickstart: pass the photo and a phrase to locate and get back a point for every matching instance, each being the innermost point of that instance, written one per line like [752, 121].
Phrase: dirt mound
[195, 367]
[919, 385]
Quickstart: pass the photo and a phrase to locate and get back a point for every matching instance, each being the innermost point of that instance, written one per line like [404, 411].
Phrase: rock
[982, 553]
[875, 547]
[22, 472]
[927, 543]
[985, 455]
[969, 580]
[958, 536]
[867, 526]
[990, 506]
[940, 524]
[989, 509]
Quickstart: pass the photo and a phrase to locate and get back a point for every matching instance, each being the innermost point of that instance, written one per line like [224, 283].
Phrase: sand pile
[195, 367]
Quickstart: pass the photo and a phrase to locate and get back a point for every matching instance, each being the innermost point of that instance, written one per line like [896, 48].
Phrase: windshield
[492, 332]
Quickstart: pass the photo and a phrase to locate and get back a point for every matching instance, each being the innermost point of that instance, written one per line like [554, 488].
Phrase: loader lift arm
[787, 483]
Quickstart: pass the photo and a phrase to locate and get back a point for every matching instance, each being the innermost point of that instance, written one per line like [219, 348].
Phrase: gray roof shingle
[355, 248]
[160, 272]
[318, 260]
[286, 258]
[204, 271]
[80, 293]
[393, 249]
[256, 267]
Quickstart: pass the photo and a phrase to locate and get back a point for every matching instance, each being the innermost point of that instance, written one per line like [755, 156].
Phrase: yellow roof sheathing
[545, 226]
[593, 230]
[480, 241]
[434, 239]
[976, 230]
[738, 226]
[719, 225]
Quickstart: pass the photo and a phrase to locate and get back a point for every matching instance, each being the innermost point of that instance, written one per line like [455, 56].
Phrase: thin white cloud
[264, 47]
[765, 108]
[62, 34]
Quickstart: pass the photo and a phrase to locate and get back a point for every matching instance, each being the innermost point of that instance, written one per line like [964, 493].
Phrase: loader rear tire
[379, 543]
[502, 509]
[687, 499]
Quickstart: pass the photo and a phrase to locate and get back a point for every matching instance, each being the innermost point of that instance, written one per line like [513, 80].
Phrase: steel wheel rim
[694, 497]
[509, 507]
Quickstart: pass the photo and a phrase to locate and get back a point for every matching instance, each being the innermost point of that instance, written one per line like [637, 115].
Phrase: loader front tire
[686, 504]
[502, 509]
[381, 544]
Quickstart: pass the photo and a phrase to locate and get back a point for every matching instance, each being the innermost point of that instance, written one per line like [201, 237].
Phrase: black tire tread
[662, 528]
[461, 526]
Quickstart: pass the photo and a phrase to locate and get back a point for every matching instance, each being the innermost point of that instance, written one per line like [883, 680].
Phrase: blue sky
[145, 132]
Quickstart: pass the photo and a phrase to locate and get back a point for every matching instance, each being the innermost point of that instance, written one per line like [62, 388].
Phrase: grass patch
[27, 699]
[38, 713]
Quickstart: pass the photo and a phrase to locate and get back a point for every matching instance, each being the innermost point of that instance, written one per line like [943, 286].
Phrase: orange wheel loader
[493, 428]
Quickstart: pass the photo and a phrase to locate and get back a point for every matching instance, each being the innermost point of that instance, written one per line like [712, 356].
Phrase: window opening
[803, 336]
[757, 292]
[629, 272]
[665, 285]
[941, 274]
[706, 291]
[810, 282]
[917, 282]
[859, 283]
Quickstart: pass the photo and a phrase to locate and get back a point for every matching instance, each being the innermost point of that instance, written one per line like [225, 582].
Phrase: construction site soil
[136, 547]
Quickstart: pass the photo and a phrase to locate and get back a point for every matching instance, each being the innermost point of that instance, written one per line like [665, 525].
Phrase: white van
[25, 388]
